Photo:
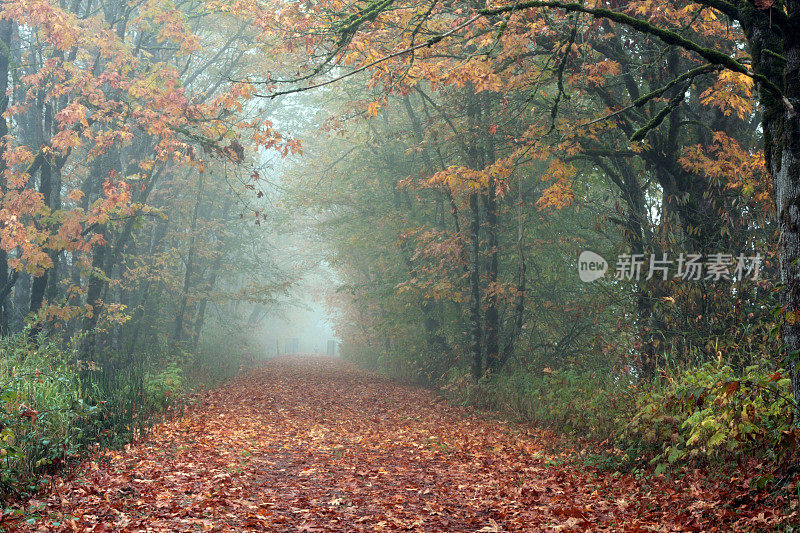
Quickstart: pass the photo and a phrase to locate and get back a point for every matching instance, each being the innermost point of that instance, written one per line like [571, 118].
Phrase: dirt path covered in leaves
[314, 444]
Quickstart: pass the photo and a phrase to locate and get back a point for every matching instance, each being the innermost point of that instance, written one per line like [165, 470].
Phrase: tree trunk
[519, 303]
[39, 283]
[492, 328]
[177, 333]
[784, 166]
[7, 279]
[475, 288]
[20, 301]
[158, 234]
[95, 288]
[55, 203]
[97, 275]
[781, 127]
[437, 344]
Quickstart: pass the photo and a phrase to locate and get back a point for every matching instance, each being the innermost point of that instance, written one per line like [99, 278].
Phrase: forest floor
[315, 444]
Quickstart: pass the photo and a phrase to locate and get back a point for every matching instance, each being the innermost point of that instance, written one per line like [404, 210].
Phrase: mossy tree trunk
[775, 50]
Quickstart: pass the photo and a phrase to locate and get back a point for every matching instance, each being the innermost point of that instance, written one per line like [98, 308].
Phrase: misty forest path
[315, 444]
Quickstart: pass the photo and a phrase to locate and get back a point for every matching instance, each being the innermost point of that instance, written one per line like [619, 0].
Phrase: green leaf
[674, 455]
[716, 439]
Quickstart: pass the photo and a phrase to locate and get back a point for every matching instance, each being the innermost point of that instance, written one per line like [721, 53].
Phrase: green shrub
[587, 404]
[164, 387]
[710, 414]
[43, 414]
[54, 405]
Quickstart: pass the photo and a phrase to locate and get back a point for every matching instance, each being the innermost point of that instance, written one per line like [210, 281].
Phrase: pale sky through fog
[310, 325]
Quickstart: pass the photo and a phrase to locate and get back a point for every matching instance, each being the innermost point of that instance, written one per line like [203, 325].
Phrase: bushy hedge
[44, 416]
[712, 414]
[588, 404]
[54, 405]
[706, 415]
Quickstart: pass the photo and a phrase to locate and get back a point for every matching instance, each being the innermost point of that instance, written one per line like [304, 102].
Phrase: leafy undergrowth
[55, 408]
[314, 444]
[709, 417]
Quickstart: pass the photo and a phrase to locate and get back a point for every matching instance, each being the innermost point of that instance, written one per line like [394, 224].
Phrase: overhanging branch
[669, 37]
